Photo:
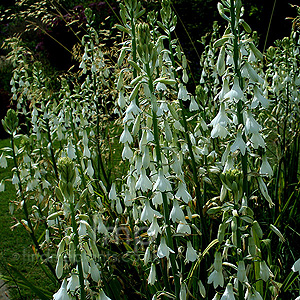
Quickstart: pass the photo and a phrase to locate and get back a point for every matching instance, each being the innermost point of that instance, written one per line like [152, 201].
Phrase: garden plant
[134, 185]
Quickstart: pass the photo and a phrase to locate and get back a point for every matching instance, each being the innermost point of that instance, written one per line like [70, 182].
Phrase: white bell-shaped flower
[251, 125]
[217, 278]
[102, 296]
[228, 294]
[176, 214]
[183, 228]
[143, 183]
[182, 193]
[182, 92]
[73, 282]
[71, 150]
[62, 293]
[148, 212]
[3, 161]
[162, 184]
[152, 275]
[257, 140]
[154, 228]
[191, 254]
[163, 250]
[239, 143]
[264, 271]
[265, 167]
[127, 153]
[241, 272]
[236, 93]
[221, 118]
[219, 131]
[252, 294]
[126, 136]
[296, 266]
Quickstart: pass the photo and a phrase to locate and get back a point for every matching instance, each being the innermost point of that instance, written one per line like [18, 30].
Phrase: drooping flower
[191, 254]
[182, 93]
[143, 183]
[236, 93]
[252, 294]
[62, 293]
[221, 118]
[162, 184]
[219, 131]
[296, 266]
[163, 250]
[102, 296]
[71, 150]
[176, 213]
[239, 143]
[154, 228]
[152, 275]
[3, 161]
[73, 282]
[183, 228]
[182, 193]
[251, 125]
[228, 294]
[148, 212]
[265, 167]
[257, 140]
[217, 278]
[126, 136]
[264, 271]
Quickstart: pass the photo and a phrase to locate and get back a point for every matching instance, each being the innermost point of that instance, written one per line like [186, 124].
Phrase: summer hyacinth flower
[154, 229]
[228, 294]
[191, 254]
[163, 250]
[162, 184]
[102, 296]
[253, 295]
[148, 212]
[239, 143]
[62, 293]
[296, 266]
[152, 275]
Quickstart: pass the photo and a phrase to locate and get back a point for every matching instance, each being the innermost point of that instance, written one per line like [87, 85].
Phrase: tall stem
[166, 212]
[240, 122]
[78, 256]
[199, 199]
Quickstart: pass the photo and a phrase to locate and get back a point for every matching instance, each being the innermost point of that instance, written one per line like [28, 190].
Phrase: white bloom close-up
[62, 293]
[191, 254]
[296, 266]
[228, 294]
[163, 250]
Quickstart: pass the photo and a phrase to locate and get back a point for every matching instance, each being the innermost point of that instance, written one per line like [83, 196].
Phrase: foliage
[199, 194]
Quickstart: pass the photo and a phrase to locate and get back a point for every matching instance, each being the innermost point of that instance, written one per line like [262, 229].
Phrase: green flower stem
[78, 254]
[133, 43]
[240, 121]
[26, 213]
[199, 197]
[166, 211]
[51, 149]
[78, 157]
[99, 158]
